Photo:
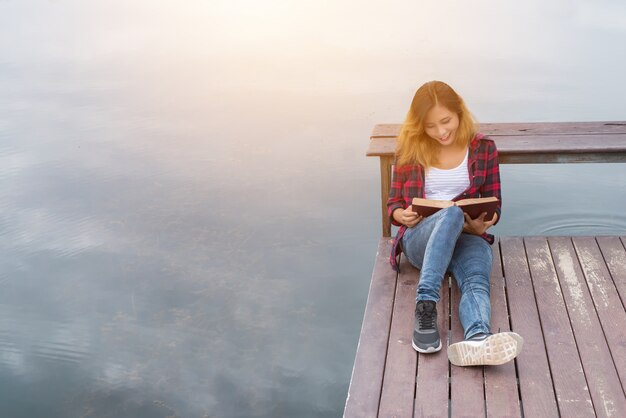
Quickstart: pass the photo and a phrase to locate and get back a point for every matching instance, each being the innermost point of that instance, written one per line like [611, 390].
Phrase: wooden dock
[565, 295]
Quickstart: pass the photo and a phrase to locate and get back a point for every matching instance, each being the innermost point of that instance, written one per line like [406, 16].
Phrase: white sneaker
[491, 350]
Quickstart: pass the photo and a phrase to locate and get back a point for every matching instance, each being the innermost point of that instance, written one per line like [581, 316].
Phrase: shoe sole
[492, 351]
[427, 350]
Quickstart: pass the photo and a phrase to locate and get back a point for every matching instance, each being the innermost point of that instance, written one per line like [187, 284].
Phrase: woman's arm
[478, 226]
[406, 217]
[396, 199]
[490, 187]
[399, 212]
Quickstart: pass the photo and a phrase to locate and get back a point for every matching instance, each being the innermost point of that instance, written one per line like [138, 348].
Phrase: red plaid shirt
[407, 182]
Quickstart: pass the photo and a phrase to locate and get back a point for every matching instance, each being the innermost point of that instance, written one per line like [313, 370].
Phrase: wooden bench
[520, 143]
[564, 295]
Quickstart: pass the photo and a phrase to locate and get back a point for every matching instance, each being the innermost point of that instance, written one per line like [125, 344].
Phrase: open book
[473, 207]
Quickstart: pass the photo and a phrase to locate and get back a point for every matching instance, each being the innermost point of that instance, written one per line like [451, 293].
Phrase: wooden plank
[535, 379]
[431, 398]
[496, 266]
[563, 158]
[606, 300]
[367, 374]
[615, 257]
[567, 371]
[525, 128]
[501, 391]
[602, 379]
[561, 143]
[401, 367]
[532, 145]
[467, 392]
[553, 128]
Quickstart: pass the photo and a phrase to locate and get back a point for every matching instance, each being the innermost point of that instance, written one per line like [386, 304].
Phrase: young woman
[440, 155]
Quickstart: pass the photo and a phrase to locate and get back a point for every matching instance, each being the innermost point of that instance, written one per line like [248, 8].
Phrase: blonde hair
[414, 145]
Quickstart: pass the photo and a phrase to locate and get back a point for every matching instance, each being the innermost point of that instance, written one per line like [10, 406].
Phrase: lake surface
[188, 219]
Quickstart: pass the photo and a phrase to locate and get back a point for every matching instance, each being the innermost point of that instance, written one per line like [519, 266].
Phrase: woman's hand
[478, 226]
[407, 217]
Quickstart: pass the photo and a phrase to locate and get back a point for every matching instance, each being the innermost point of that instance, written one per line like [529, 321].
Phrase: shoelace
[427, 319]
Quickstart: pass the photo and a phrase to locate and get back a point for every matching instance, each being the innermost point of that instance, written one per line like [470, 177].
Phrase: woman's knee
[454, 215]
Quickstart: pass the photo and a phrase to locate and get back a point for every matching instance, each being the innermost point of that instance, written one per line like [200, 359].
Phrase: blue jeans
[436, 245]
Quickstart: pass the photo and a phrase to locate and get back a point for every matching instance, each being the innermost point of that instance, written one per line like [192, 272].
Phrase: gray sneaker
[486, 349]
[425, 333]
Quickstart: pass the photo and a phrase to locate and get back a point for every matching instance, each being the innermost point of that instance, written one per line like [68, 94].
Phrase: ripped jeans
[436, 245]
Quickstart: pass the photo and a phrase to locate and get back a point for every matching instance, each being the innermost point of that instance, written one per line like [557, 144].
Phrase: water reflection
[133, 286]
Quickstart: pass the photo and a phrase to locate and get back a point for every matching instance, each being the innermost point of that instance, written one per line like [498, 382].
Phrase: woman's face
[441, 124]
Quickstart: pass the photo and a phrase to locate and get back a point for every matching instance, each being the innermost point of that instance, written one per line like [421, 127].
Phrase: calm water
[188, 220]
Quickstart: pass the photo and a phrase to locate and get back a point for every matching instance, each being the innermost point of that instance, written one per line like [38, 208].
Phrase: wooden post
[385, 182]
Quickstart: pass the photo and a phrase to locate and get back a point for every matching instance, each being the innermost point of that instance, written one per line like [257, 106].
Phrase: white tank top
[447, 184]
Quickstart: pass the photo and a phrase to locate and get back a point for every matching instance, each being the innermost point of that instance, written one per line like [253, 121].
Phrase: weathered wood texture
[526, 129]
[432, 385]
[367, 375]
[385, 181]
[564, 295]
[547, 149]
[520, 143]
[401, 365]
[501, 392]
